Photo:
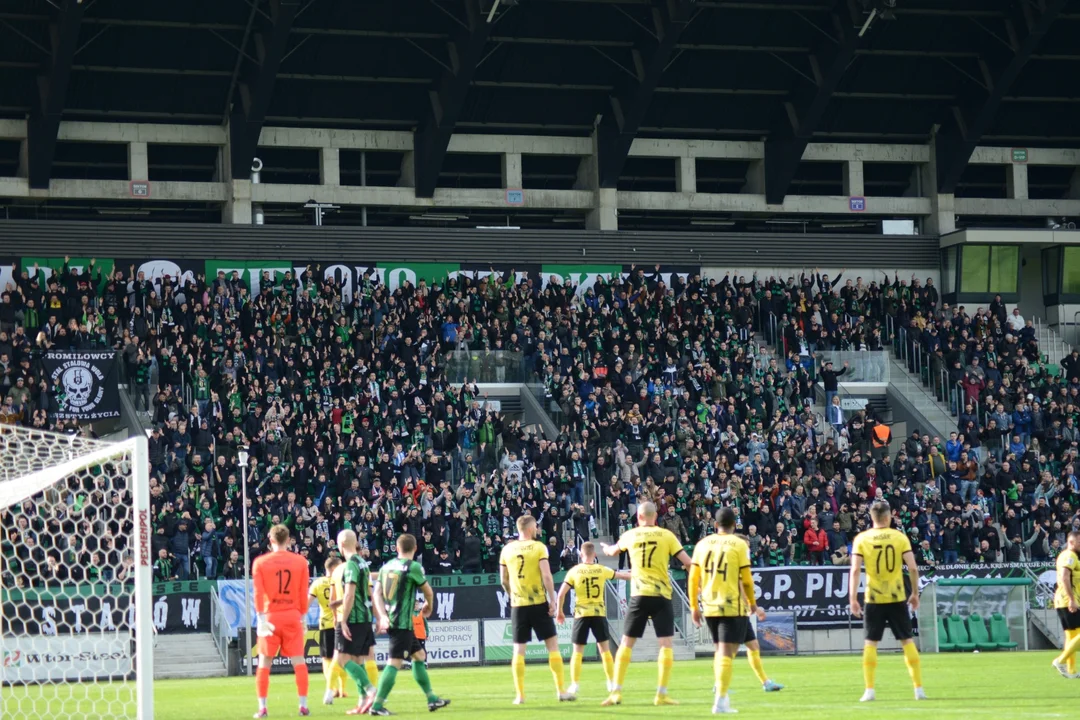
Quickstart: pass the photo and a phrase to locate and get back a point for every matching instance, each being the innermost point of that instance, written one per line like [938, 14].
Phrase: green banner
[480, 580]
[499, 642]
[107, 589]
[395, 274]
[49, 266]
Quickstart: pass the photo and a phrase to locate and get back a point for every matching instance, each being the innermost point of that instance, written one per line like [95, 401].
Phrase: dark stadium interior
[547, 67]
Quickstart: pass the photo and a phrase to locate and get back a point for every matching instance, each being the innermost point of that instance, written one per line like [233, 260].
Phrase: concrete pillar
[1074, 185]
[854, 185]
[755, 178]
[138, 161]
[511, 170]
[686, 174]
[605, 216]
[1016, 181]
[24, 159]
[329, 166]
[942, 217]
[408, 170]
[237, 210]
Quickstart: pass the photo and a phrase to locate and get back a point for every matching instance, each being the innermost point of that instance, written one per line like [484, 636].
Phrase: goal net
[75, 577]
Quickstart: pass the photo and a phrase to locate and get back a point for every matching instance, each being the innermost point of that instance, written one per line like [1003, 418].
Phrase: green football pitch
[1009, 685]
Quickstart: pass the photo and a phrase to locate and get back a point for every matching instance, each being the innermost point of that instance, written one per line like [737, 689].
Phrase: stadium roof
[1003, 71]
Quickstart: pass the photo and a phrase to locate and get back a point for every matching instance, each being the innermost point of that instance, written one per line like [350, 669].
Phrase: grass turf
[1010, 685]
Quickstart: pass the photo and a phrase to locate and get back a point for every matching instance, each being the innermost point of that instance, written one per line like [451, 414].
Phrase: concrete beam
[792, 131]
[970, 121]
[1035, 156]
[729, 202]
[1016, 182]
[628, 105]
[375, 140]
[713, 149]
[51, 91]
[113, 190]
[138, 161]
[12, 129]
[520, 144]
[256, 88]
[1017, 208]
[406, 197]
[149, 133]
[445, 104]
[866, 152]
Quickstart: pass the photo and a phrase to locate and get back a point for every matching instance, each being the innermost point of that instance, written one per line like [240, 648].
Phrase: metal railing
[219, 626]
[863, 365]
[484, 366]
[684, 623]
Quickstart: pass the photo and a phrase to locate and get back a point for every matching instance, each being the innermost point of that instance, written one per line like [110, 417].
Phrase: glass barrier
[863, 366]
[484, 366]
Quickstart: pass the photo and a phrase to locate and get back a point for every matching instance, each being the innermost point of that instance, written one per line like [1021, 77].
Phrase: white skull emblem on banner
[78, 384]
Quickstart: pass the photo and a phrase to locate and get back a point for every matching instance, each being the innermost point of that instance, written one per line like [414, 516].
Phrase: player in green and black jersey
[394, 599]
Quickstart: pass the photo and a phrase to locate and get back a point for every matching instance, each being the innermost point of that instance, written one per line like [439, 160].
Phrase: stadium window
[986, 269]
[1070, 280]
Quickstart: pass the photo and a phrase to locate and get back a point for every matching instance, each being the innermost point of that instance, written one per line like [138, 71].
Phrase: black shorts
[647, 607]
[363, 639]
[528, 620]
[893, 615]
[1069, 620]
[403, 644]
[730, 630]
[583, 626]
[327, 643]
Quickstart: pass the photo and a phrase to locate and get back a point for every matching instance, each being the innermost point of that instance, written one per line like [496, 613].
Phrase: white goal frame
[17, 489]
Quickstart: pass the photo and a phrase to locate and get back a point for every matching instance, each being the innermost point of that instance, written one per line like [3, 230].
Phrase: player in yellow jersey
[1067, 602]
[321, 591]
[651, 549]
[588, 579]
[720, 574]
[885, 552]
[526, 577]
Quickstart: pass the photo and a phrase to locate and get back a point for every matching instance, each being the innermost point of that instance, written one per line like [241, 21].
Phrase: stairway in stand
[187, 655]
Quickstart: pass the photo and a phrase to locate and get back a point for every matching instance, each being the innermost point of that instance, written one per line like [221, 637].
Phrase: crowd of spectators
[686, 391]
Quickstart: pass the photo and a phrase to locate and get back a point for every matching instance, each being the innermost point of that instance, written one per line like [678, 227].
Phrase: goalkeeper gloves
[264, 626]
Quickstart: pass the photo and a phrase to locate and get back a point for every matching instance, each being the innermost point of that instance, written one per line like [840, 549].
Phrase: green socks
[386, 684]
[359, 676]
[420, 675]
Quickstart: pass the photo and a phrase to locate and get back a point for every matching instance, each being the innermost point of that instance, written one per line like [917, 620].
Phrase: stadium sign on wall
[60, 613]
[448, 643]
[72, 658]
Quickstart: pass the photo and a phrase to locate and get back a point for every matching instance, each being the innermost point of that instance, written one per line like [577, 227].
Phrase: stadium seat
[959, 634]
[977, 631]
[999, 632]
[943, 637]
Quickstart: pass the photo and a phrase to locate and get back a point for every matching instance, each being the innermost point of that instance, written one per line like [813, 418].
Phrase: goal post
[76, 625]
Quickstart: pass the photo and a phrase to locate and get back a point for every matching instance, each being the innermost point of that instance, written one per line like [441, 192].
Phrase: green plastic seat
[958, 633]
[943, 637]
[999, 632]
[978, 633]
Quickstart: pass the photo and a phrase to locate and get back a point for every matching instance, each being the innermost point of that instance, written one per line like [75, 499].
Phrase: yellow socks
[869, 664]
[575, 668]
[609, 667]
[338, 676]
[556, 664]
[754, 656]
[1070, 664]
[517, 666]
[1069, 652]
[664, 663]
[372, 671]
[914, 664]
[724, 666]
[328, 673]
[622, 664]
